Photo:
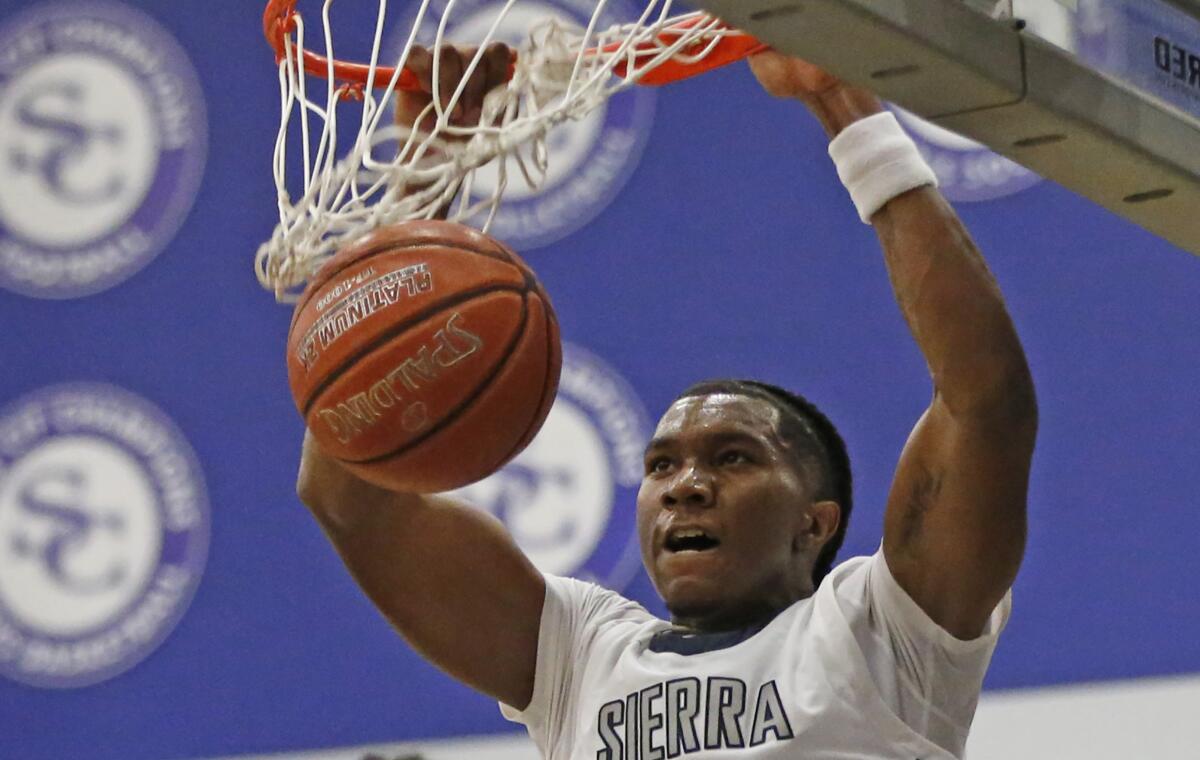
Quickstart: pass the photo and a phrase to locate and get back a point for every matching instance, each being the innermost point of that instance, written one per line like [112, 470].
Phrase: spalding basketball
[424, 357]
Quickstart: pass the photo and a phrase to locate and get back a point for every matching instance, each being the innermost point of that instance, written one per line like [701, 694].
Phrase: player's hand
[787, 77]
[491, 72]
[834, 102]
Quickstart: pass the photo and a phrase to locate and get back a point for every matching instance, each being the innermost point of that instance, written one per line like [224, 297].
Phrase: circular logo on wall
[568, 499]
[103, 139]
[589, 160]
[966, 170]
[104, 527]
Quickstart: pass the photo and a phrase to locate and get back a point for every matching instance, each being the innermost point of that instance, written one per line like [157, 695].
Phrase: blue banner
[163, 594]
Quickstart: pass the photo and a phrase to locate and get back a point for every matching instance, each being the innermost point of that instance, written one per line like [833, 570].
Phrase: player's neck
[738, 617]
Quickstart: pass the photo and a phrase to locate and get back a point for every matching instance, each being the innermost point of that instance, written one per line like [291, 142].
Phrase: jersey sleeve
[573, 614]
[929, 678]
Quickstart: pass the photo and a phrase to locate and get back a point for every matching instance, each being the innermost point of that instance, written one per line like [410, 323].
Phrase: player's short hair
[813, 437]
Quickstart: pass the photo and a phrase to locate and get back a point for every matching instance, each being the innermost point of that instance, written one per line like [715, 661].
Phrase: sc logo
[54, 500]
[80, 534]
[103, 141]
[69, 145]
[80, 144]
[566, 499]
[104, 526]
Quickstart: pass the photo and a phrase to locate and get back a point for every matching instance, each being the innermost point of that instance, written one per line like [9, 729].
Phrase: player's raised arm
[448, 577]
[954, 531]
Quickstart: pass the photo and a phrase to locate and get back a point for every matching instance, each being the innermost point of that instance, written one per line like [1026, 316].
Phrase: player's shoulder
[594, 603]
[847, 591]
[850, 576]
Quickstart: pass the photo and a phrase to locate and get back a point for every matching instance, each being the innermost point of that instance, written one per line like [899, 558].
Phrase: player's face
[722, 512]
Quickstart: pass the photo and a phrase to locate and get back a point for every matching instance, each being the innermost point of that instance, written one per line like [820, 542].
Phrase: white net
[389, 174]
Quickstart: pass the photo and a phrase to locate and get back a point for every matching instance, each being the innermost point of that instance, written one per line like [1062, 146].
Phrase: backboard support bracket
[1019, 95]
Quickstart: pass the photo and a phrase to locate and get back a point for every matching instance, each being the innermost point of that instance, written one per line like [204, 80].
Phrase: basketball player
[745, 500]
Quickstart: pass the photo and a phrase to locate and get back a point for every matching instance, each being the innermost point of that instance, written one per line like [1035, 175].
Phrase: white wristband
[877, 161]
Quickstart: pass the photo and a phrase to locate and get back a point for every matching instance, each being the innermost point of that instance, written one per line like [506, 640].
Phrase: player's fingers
[410, 104]
[494, 64]
[420, 63]
[478, 85]
[449, 71]
[497, 59]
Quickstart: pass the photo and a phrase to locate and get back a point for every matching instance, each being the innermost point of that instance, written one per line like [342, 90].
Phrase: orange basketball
[424, 357]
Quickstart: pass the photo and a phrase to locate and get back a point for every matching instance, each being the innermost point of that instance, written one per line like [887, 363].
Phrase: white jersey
[856, 671]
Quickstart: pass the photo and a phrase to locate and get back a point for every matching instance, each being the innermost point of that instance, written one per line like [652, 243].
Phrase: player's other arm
[955, 525]
[448, 577]
[954, 530]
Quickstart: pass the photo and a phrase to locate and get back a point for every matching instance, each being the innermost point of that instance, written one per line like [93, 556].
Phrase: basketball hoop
[390, 174]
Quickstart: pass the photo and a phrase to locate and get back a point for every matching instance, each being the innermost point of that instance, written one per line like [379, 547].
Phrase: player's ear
[820, 524]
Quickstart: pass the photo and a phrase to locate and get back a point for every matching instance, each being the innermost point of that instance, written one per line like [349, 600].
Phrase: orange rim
[279, 22]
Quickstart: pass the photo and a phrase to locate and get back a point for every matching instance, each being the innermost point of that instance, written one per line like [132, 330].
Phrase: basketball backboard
[1102, 96]
[1150, 45]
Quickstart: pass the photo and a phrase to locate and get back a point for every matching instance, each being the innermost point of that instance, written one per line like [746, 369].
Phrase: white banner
[1114, 721]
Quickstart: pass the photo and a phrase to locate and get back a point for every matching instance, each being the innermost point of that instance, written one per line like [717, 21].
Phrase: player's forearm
[446, 576]
[387, 540]
[369, 528]
[950, 300]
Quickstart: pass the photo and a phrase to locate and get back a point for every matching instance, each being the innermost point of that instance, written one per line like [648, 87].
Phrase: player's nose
[690, 487]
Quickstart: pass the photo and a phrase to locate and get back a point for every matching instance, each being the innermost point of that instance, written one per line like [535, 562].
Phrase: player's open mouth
[689, 540]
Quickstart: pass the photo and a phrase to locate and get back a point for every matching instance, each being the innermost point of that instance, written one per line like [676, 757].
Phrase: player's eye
[733, 456]
[657, 465]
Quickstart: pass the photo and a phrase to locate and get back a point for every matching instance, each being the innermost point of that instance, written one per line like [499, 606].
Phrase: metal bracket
[1022, 97]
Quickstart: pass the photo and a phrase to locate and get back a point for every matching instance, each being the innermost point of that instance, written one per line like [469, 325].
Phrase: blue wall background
[732, 251]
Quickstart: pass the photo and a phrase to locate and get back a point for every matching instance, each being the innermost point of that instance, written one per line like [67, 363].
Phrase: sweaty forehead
[720, 411]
